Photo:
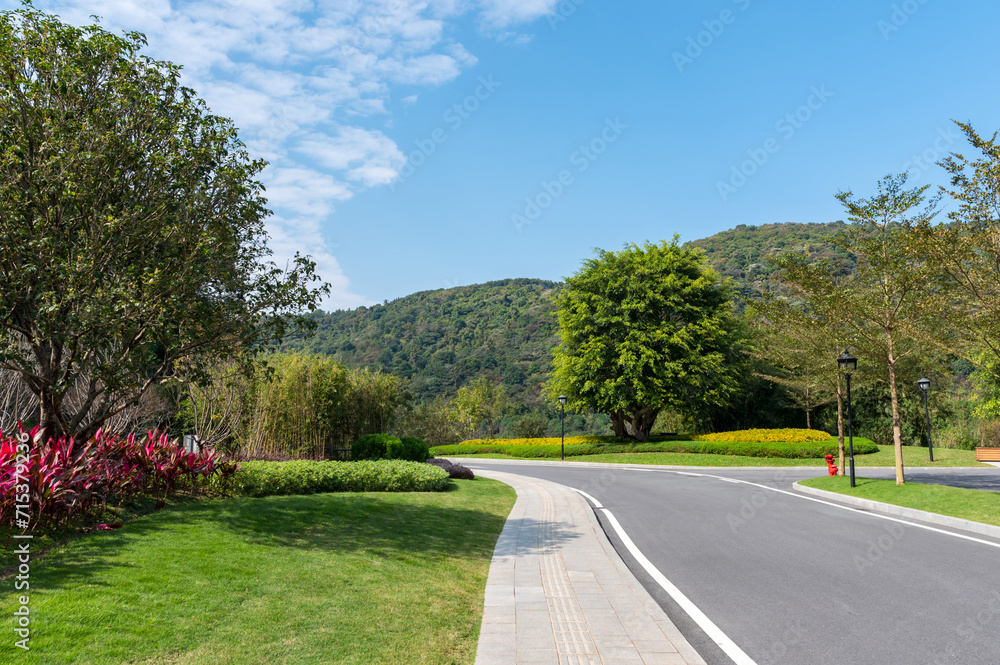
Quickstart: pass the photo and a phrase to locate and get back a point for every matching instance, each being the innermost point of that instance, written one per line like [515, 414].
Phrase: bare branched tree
[219, 409]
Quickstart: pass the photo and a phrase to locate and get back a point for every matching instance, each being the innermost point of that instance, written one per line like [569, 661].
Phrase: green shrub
[414, 449]
[386, 446]
[375, 446]
[308, 477]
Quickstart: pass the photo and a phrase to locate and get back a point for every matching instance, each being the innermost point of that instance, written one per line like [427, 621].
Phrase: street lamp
[562, 420]
[848, 364]
[924, 386]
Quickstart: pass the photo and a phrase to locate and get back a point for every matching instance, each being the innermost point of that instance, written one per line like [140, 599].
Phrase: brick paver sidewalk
[558, 593]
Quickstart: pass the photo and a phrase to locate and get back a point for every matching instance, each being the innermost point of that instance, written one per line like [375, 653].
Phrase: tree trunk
[618, 424]
[840, 424]
[897, 422]
[642, 423]
[48, 415]
[808, 404]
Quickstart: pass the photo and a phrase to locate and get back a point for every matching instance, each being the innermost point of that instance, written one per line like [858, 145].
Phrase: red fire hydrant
[830, 466]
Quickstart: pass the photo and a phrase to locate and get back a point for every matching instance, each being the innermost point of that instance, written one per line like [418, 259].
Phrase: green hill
[506, 330]
[742, 253]
[441, 340]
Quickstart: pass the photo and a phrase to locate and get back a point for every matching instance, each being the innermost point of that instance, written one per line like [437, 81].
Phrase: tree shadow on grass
[377, 526]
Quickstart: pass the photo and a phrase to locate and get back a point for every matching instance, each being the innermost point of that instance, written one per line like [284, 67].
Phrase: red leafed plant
[61, 478]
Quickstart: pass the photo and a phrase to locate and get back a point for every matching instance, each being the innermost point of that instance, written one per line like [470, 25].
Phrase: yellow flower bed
[550, 441]
[766, 436]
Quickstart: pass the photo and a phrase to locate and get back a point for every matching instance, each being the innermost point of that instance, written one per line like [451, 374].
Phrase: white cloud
[301, 80]
[505, 13]
[369, 157]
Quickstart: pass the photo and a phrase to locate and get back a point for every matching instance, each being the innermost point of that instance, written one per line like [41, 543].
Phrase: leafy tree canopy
[642, 329]
[131, 227]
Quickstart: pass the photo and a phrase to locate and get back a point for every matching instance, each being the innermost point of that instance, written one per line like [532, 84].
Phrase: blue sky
[422, 144]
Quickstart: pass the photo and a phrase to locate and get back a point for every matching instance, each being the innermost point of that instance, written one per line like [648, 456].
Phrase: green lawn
[975, 505]
[912, 456]
[327, 578]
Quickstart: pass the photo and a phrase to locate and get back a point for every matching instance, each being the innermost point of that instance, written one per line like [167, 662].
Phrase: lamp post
[848, 364]
[562, 435]
[924, 385]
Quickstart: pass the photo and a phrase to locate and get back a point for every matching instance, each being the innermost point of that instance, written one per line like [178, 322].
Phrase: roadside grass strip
[361, 579]
[968, 504]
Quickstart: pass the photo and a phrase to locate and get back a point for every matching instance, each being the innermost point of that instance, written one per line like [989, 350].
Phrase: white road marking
[714, 632]
[855, 510]
[597, 504]
[685, 473]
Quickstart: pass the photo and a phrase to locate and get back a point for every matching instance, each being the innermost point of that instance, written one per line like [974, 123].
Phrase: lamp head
[562, 400]
[924, 384]
[847, 362]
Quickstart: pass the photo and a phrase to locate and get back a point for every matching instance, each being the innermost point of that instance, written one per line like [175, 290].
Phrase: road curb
[899, 511]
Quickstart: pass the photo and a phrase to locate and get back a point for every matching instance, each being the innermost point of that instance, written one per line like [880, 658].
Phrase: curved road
[794, 581]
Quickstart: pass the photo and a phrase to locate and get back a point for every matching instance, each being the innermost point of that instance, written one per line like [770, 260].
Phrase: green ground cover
[366, 578]
[912, 456]
[975, 505]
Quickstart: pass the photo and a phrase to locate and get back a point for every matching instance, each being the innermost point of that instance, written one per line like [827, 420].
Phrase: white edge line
[597, 504]
[714, 632]
[864, 512]
[685, 473]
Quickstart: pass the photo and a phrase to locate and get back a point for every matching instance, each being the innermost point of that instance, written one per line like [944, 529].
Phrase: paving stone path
[559, 594]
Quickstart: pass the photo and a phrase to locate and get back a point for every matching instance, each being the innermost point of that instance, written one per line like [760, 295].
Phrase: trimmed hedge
[386, 446]
[787, 435]
[777, 450]
[310, 477]
[550, 441]
[766, 436]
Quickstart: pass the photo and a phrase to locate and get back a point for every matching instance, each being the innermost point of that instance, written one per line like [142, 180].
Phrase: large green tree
[131, 225]
[643, 329]
[889, 302]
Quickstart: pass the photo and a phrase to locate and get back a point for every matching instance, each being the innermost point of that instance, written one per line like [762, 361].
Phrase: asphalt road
[797, 582]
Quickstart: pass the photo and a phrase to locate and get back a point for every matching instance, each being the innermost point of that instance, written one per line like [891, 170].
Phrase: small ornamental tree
[643, 329]
[131, 226]
[889, 304]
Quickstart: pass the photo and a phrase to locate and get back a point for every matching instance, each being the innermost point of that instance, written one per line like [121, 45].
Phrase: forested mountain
[742, 253]
[506, 330]
[440, 340]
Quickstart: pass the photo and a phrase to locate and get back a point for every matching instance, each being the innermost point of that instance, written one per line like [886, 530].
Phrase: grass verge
[912, 456]
[974, 505]
[336, 578]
